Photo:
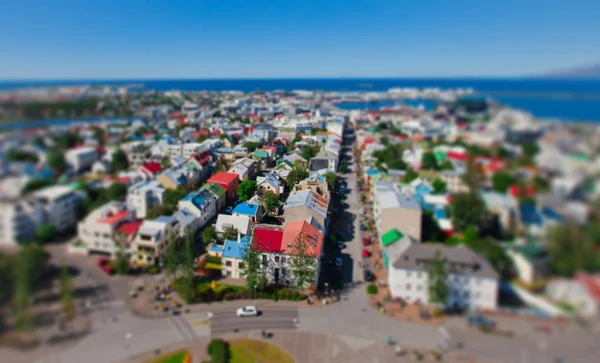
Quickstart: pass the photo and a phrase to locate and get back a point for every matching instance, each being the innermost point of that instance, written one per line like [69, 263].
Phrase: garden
[246, 351]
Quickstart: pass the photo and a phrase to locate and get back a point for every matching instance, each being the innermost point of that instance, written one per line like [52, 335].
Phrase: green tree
[437, 283]
[230, 233]
[246, 189]
[17, 155]
[173, 196]
[531, 149]
[99, 135]
[21, 299]
[119, 161]
[209, 234]
[187, 257]
[439, 186]
[501, 181]
[410, 175]
[66, 294]
[160, 210]
[429, 162]
[384, 140]
[473, 176]
[308, 152]
[251, 146]
[331, 179]
[121, 263]
[219, 351]
[35, 184]
[165, 163]
[467, 209]
[45, 233]
[540, 184]
[117, 191]
[252, 269]
[343, 167]
[171, 257]
[296, 175]
[447, 165]
[303, 263]
[270, 201]
[56, 159]
[69, 139]
[568, 249]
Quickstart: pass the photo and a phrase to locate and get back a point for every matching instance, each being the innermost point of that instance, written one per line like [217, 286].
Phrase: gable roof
[153, 167]
[268, 238]
[309, 199]
[240, 222]
[223, 178]
[294, 229]
[260, 154]
[216, 189]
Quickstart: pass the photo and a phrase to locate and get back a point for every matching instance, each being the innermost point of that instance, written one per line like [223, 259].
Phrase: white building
[98, 228]
[472, 282]
[81, 158]
[202, 204]
[582, 293]
[232, 257]
[241, 223]
[145, 195]
[60, 205]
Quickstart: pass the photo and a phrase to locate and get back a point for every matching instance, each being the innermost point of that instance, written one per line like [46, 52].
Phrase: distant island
[589, 71]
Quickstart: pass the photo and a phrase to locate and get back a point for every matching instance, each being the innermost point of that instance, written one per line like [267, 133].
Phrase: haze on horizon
[155, 39]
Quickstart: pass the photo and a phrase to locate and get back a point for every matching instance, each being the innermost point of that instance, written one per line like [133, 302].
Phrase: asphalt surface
[272, 318]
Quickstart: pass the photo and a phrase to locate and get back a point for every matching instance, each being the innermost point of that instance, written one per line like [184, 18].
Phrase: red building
[229, 182]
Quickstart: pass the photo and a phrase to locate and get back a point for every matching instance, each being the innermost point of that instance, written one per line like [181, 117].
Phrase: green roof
[216, 189]
[391, 236]
[286, 162]
[261, 154]
[532, 251]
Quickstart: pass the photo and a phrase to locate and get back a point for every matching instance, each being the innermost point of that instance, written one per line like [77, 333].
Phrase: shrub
[219, 352]
[154, 270]
[372, 289]
[290, 294]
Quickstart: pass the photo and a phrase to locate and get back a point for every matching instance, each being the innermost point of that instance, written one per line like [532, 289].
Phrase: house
[102, 167]
[152, 239]
[245, 168]
[97, 230]
[472, 282]
[261, 155]
[202, 204]
[145, 195]
[60, 206]
[151, 169]
[81, 158]
[531, 261]
[253, 211]
[306, 205]
[219, 193]
[138, 155]
[232, 257]
[177, 177]
[315, 182]
[242, 223]
[394, 207]
[271, 182]
[581, 292]
[324, 160]
[295, 156]
[229, 182]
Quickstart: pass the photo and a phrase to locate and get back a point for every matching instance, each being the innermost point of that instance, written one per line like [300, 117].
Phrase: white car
[247, 311]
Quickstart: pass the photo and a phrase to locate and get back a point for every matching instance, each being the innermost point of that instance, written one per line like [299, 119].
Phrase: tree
[296, 175]
[119, 161]
[308, 152]
[331, 179]
[56, 159]
[35, 184]
[437, 284]
[531, 149]
[447, 165]
[569, 251]
[303, 264]
[121, 263]
[270, 201]
[246, 189]
[117, 191]
[252, 269]
[219, 351]
[69, 139]
[540, 184]
[209, 234]
[230, 233]
[22, 293]
[343, 167]
[410, 175]
[429, 162]
[45, 233]
[187, 257]
[173, 196]
[171, 257]
[165, 163]
[251, 146]
[501, 181]
[160, 210]
[66, 294]
[99, 135]
[467, 209]
[17, 155]
[439, 186]
[384, 140]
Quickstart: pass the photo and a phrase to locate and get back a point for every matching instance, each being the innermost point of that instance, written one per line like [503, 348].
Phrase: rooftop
[245, 209]
[223, 178]
[235, 249]
[390, 195]
[268, 238]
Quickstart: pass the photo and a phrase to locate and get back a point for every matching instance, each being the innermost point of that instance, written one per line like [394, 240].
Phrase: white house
[202, 204]
[98, 228]
[531, 261]
[232, 257]
[81, 158]
[241, 223]
[145, 195]
[582, 293]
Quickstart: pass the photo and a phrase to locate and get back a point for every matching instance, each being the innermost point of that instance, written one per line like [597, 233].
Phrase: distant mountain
[589, 71]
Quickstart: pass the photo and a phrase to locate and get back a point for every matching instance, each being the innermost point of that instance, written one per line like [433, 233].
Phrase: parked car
[366, 242]
[481, 321]
[368, 275]
[366, 253]
[104, 264]
[361, 211]
[247, 311]
[340, 244]
[339, 262]
[363, 228]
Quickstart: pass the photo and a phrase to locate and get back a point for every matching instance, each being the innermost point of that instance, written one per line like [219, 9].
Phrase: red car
[104, 264]
[366, 253]
[366, 242]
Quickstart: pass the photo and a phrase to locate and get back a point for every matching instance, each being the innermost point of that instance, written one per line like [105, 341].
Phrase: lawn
[219, 287]
[175, 357]
[251, 351]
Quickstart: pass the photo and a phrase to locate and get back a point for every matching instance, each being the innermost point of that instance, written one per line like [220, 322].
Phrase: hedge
[213, 259]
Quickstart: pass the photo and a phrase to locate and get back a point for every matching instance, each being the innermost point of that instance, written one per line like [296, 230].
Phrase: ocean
[563, 99]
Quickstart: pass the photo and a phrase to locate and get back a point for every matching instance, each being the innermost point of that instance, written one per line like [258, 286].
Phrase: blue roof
[440, 213]
[216, 249]
[552, 214]
[423, 189]
[233, 249]
[530, 214]
[372, 172]
[245, 209]
[188, 197]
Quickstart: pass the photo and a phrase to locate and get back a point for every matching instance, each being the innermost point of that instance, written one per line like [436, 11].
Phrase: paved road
[275, 318]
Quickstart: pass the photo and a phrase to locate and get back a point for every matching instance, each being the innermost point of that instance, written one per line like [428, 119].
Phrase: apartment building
[81, 158]
[201, 204]
[145, 195]
[306, 205]
[152, 238]
[394, 207]
[60, 206]
[97, 230]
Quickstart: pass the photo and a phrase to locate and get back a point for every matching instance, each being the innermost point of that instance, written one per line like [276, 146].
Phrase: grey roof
[325, 154]
[390, 195]
[459, 260]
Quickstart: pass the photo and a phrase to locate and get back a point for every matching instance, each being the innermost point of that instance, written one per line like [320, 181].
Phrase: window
[283, 271]
[264, 257]
[282, 259]
[229, 273]
[149, 258]
[419, 274]
[241, 265]
[408, 273]
[408, 286]
[276, 258]
[289, 245]
[228, 263]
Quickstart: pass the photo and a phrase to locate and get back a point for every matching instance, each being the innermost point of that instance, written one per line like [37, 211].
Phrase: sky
[151, 39]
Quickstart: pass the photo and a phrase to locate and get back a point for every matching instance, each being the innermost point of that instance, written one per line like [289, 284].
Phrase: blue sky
[135, 39]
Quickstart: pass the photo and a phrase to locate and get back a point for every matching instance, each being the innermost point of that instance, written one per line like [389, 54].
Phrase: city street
[272, 318]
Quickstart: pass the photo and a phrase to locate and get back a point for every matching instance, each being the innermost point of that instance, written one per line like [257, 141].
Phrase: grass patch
[205, 285]
[175, 357]
[251, 351]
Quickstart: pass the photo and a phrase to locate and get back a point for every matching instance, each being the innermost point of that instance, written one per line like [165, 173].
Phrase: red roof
[130, 228]
[203, 158]
[591, 282]
[181, 122]
[123, 179]
[112, 218]
[514, 191]
[153, 167]
[453, 155]
[270, 148]
[175, 115]
[203, 132]
[213, 133]
[223, 178]
[100, 150]
[268, 239]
